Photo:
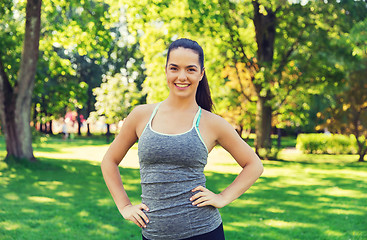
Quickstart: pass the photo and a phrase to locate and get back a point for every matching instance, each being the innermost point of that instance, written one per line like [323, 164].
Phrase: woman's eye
[192, 69]
[173, 68]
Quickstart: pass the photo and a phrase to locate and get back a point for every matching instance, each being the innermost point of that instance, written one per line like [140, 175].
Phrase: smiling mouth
[181, 85]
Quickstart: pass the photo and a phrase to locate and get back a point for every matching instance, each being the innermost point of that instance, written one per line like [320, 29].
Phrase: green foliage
[116, 97]
[57, 87]
[12, 23]
[358, 38]
[81, 42]
[349, 113]
[310, 49]
[269, 154]
[317, 47]
[320, 143]
[75, 38]
[38, 137]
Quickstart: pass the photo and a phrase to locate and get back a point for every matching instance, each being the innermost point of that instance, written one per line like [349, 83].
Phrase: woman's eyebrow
[189, 66]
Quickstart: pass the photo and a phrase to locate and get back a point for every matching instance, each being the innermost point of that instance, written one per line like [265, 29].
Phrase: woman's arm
[228, 138]
[116, 152]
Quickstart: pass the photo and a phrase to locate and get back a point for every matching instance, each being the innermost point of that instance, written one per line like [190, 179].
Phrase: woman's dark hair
[203, 97]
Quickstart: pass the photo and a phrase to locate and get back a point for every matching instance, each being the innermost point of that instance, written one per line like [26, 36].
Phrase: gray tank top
[171, 165]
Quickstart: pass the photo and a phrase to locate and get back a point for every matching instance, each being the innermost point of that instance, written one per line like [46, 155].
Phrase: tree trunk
[361, 158]
[42, 130]
[263, 124]
[88, 110]
[265, 36]
[15, 102]
[35, 115]
[362, 145]
[108, 133]
[79, 122]
[50, 128]
[88, 130]
[279, 140]
[362, 149]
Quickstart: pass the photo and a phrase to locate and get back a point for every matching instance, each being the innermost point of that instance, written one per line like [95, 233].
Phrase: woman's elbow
[103, 163]
[109, 160]
[261, 168]
[106, 161]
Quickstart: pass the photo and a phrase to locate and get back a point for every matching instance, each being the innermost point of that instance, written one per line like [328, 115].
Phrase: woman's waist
[177, 220]
[170, 174]
[185, 212]
[170, 191]
[162, 202]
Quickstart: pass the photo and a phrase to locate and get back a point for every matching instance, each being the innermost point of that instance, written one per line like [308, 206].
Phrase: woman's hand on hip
[135, 214]
[205, 197]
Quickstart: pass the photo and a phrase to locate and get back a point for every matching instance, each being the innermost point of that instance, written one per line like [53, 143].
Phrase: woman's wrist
[121, 207]
[225, 198]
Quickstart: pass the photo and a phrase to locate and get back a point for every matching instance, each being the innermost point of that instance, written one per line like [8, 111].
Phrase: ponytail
[203, 97]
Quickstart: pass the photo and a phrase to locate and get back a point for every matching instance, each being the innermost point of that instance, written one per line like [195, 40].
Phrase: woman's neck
[181, 103]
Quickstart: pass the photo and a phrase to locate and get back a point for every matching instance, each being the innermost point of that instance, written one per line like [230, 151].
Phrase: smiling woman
[175, 138]
[183, 72]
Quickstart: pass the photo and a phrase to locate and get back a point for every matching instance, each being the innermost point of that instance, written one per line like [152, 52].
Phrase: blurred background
[274, 67]
[290, 76]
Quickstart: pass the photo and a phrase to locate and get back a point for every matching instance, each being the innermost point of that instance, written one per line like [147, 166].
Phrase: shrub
[268, 154]
[320, 143]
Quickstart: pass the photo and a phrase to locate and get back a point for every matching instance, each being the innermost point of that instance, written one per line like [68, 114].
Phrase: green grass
[298, 197]
[287, 141]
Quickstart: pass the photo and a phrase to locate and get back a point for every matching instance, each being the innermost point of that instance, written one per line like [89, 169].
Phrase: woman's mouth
[182, 85]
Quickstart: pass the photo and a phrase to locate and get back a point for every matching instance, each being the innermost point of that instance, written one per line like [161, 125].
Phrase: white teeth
[181, 85]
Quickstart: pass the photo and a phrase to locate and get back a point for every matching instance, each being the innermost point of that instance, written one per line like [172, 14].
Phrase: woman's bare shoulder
[213, 119]
[143, 110]
[217, 124]
[139, 116]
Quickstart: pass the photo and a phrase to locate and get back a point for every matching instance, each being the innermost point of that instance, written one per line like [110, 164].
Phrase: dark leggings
[216, 234]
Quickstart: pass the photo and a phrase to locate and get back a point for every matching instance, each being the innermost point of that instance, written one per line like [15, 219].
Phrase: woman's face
[183, 72]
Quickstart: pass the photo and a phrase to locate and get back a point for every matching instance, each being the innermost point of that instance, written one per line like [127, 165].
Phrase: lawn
[63, 196]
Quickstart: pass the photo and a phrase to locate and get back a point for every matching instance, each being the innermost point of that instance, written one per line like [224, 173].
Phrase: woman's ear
[202, 74]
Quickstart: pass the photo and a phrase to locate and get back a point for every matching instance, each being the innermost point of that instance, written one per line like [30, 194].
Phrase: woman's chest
[172, 123]
[181, 149]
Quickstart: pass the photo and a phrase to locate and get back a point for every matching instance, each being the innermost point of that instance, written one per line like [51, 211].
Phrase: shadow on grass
[307, 203]
[68, 199]
[55, 143]
[61, 199]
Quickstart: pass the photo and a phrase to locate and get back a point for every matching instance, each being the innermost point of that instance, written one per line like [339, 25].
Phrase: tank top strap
[154, 112]
[197, 118]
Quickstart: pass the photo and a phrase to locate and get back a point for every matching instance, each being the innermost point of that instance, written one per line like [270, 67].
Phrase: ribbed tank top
[171, 165]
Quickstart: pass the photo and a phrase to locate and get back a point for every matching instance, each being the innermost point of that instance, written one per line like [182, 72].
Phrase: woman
[175, 137]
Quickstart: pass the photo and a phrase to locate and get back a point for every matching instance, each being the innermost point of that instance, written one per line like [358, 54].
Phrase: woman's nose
[182, 75]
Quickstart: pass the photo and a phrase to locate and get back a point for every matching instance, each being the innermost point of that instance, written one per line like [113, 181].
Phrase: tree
[286, 49]
[121, 88]
[83, 41]
[240, 107]
[349, 114]
[57, 88]
[15, 98]
[348, 111]
[116, 96]
[75, 39]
